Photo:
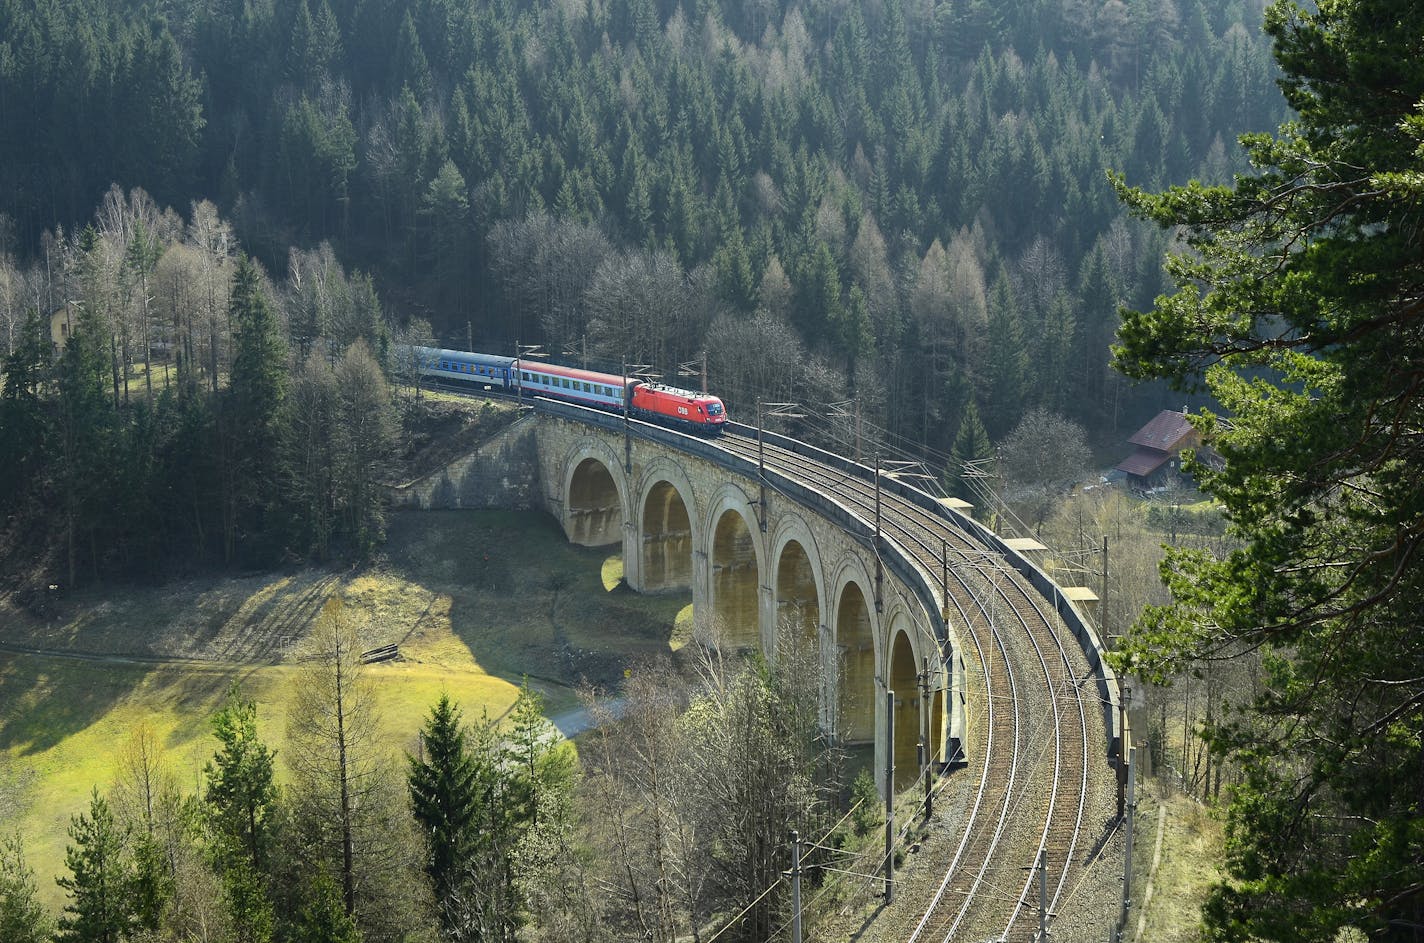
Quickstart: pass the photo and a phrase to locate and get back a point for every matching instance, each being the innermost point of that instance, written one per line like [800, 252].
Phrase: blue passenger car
[463, 368]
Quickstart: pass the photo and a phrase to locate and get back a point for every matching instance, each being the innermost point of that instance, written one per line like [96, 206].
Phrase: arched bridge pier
[795, 571]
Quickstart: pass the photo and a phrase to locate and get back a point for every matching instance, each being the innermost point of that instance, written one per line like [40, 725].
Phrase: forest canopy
[900, 188]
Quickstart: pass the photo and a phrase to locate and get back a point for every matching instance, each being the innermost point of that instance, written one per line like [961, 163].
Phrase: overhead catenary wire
[904, 830]
[746, 910]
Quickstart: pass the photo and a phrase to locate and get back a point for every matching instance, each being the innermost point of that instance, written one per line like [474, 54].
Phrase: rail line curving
[1013, 774]
[1024, 810]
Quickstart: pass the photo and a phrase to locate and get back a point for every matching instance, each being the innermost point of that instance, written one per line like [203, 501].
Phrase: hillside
[911, 193]
[75, 685]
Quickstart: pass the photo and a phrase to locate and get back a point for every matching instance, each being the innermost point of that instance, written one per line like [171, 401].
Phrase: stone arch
[855, 632]
[797, 583]
[668, 528]
[595, 495]
[735, 560]
[902, 676]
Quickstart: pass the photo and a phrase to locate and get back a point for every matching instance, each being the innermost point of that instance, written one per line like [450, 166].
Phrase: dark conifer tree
[1006, 373]
[241, 792]
[23, 918]
[254, 421]
[102, 891]
[445, 793]
[970, 458]
[1298, 305]
[23, 426]
[84, 435]
[323, 919]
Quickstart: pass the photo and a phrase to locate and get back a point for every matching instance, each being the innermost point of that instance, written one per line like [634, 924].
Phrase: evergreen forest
[916, 212]
[904, 201]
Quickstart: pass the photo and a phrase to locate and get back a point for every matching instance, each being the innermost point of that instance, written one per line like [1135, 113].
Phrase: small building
[60, 324]
[1157, 457]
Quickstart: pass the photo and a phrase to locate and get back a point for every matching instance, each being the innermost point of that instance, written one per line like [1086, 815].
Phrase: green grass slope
[477, 601]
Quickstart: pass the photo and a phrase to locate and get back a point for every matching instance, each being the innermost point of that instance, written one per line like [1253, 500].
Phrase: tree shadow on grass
[46, 699]
[524, 601]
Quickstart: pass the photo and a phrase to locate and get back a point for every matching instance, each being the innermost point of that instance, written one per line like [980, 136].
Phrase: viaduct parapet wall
[799, 570]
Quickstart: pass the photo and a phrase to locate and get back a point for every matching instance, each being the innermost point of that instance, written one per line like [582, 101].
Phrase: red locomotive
[672, 406]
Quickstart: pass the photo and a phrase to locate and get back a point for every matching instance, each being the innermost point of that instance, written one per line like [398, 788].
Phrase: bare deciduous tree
[212, 237]
[644, 308]
[361, 438]
[349, 805]
[1045, 454]
[545, 266]
[640, 807]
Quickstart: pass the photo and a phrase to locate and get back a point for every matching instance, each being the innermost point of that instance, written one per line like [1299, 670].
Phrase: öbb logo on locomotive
[654, 402]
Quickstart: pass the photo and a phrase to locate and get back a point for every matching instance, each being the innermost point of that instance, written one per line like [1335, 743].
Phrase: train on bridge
[654, 402]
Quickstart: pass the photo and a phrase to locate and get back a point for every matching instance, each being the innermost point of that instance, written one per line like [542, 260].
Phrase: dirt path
[118, 659]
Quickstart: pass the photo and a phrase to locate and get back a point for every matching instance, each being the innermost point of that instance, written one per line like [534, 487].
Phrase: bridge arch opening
[904, 681]
[666, 540]
[594, 508]
[798, 604]
[855, 645]
[735, 580]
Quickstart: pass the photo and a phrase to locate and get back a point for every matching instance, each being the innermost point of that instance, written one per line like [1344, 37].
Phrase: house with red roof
[1157, 456]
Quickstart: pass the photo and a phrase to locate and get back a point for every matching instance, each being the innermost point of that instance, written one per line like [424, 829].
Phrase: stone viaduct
[798, 569]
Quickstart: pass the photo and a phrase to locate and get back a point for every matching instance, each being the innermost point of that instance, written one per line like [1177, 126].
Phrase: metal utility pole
[944, 584]
[879, 568]
[857, 430]
[1127, 851]
[1042, 897]
[877, 504]
[1124, 746]
[1103, 596]
[926, 759]
[795, 887]
[761, 472]
[627, 424]
[784, 411]
[889, 796]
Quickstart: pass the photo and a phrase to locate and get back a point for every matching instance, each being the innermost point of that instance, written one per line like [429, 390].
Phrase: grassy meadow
[477, 601]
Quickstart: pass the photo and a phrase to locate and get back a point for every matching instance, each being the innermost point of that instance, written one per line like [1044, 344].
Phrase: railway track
[1032, 803]
[1040, 793]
